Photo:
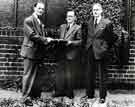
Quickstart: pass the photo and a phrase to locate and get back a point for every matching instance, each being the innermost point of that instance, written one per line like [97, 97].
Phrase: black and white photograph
[67, 53]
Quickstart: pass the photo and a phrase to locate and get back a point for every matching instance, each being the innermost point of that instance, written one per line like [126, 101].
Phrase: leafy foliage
[112, 10]
[116, 11]
[53, 103]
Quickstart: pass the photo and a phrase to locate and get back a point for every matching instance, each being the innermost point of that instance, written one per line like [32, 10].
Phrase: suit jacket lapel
[100, 26]
[92, 25]
[91, 28]
[63, 31]
[70, 31]
[37, 26]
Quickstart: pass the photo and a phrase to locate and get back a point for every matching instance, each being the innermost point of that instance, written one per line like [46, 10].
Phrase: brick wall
[123, 76]
[11, 65]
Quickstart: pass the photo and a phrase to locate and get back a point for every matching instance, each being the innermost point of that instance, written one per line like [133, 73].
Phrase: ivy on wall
[113, 9]
[6, 13]
[133, 17]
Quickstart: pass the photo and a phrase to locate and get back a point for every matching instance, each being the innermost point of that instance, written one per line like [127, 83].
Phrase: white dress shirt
[37, 18]
[98, 19]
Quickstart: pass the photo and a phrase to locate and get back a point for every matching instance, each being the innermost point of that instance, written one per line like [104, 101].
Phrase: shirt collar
[70, 25]
[98, 19]
[37, 18]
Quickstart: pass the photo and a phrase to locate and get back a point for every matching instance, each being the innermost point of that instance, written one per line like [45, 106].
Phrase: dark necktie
[95, 23]
[40, 25]
[68, 27]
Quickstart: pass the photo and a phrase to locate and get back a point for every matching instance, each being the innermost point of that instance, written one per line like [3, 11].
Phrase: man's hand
[69, 42]
[49, 39]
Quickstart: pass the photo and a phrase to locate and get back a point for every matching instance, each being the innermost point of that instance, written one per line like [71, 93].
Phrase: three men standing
[98, 41]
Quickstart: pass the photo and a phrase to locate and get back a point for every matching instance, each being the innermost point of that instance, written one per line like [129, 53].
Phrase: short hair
[100, 5]
[71, 10]
[35, 4]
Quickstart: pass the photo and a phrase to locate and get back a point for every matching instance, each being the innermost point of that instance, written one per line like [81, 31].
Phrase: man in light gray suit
[32, 52]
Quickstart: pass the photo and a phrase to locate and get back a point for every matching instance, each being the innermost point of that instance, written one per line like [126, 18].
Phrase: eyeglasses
[70, 16]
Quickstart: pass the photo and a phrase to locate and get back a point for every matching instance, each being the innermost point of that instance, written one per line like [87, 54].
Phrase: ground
[115, 98]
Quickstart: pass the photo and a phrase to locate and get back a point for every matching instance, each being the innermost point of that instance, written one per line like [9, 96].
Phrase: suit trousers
[31, 86]
[64, 78]
[95, 66]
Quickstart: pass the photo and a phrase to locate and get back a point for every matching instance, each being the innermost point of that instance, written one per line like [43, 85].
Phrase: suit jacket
[34, 38]
[99, 38]
[74, 35]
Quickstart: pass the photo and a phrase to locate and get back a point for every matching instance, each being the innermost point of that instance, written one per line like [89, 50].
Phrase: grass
[114, 99]
[51, 103]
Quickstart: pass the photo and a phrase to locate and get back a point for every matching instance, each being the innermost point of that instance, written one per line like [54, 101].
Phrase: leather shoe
[71, 96]
[102, 100]
[58, 95]
[28, 102]
[89, 97]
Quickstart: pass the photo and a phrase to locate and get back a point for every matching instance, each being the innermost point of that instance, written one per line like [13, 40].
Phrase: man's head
[71, 17]
[39, 8]
[97, 9]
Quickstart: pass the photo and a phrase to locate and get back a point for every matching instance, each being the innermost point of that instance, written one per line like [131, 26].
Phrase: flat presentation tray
[61, 41]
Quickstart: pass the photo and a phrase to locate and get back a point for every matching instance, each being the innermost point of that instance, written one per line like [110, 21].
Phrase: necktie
[68, 27]
[95, 23]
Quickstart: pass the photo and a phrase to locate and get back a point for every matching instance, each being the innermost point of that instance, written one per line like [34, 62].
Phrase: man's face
[70, 17]
[39, 9]
[97, 10]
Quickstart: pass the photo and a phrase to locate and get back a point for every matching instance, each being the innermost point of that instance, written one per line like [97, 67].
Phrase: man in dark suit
[98, 42]
[32, 52]
[70, 32]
